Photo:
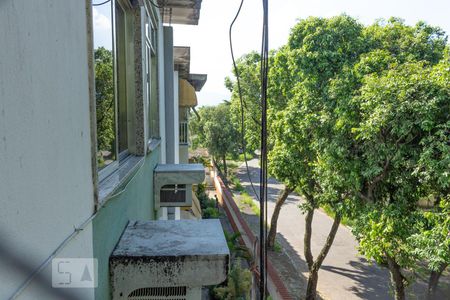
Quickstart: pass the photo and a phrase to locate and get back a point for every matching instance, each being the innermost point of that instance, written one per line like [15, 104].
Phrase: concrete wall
[169, 94]
[45, 157]
[184, 154]
[162, 105]
[176, 116]
[135, 203]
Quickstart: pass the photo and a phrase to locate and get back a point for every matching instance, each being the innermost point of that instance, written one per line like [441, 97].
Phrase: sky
[210, 52]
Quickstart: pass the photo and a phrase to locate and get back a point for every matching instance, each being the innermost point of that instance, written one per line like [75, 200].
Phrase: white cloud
[101, 22]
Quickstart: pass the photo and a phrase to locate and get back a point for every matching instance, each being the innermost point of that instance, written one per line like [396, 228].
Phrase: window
[151, 69]
[121, 81]
[111, 26]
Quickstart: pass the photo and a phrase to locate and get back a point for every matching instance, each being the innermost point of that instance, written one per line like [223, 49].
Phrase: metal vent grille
[159, 293]
[173, 193]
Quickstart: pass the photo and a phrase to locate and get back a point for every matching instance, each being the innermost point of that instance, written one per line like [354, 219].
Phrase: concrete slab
[191, 253]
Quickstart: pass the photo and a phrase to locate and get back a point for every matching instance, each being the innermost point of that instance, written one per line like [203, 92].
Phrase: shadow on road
[371, 280]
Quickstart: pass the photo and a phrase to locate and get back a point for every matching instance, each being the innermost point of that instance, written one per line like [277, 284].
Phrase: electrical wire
[151, 2]
[236, 71]
[262, 197]
[263, 170]
[99, 4]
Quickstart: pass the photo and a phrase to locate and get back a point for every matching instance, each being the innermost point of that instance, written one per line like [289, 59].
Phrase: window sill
[152, 145]
[115, 183]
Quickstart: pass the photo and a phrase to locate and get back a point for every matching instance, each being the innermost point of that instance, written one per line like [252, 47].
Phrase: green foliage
[210, 213]
[383, 230]
[248, 200]
[249, 72]
[237, 186]
[421, 42]
[104, 88]
[215, 131]
[347, 221]
[359, 124]
[205, 161]
[236, 249]
[238, 284]
[248, 155]
[307, 151]
[432, 242]
[208, 205]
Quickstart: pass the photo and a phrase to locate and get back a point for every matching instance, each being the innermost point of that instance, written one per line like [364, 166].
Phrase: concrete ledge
[190, 253]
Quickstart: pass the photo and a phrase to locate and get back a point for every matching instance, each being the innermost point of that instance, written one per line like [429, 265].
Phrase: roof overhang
[185, 12]
[197, 81]
[182, 60]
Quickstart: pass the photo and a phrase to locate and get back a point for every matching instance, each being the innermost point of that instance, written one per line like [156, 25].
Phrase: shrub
[210, 213]
[238, 284]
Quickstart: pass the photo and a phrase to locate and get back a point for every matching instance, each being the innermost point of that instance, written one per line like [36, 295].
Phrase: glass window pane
[152, 84]
[122, 110]
[154, 102]
[104, 85]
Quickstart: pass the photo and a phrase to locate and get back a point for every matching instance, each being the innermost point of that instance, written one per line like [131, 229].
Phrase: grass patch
[248, 200]
[249, 156]
[277, 247]
[236, 184]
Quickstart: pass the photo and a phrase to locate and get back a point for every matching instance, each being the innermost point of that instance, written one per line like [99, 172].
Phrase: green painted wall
[135, 203]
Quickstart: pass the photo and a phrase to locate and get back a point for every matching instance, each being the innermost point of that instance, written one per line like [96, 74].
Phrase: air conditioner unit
[173, 184]
[168, 260]
[176, 195]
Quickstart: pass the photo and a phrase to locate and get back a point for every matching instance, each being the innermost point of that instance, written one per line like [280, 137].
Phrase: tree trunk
[276, 212]
[434, 280]
[225, 171]
[217, 165]
[314, 266]
[396, 278]
[307, 238]
[311, 288]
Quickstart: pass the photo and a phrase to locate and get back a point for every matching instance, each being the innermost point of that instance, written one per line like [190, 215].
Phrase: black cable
[263, 173]
[151, 2]
[99, 4]
[236, 70]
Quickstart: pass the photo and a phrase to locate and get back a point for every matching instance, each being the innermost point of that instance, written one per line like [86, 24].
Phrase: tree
[104, 88]
[248, 67]
[432, 243]
[390, 105]
[361, 105]
[400, 109]
[216, 132]
[359, 122]
[303, 119]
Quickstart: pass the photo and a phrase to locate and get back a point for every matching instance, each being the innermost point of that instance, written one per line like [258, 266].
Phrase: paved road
[344, 273]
